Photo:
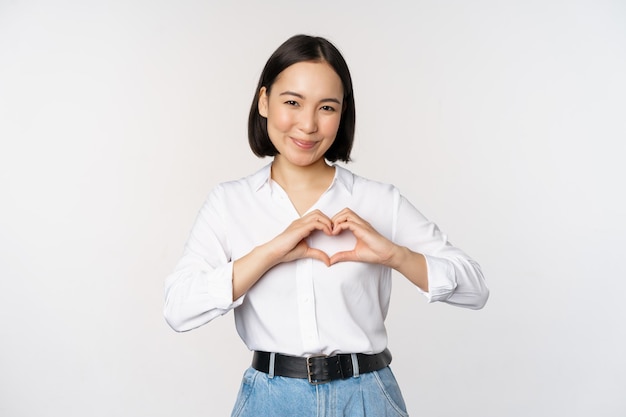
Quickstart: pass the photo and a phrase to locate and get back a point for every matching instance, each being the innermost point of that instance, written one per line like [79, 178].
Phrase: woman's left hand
[370, 247]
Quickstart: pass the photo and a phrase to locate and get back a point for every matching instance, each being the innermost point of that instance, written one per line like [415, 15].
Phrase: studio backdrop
[502, 121]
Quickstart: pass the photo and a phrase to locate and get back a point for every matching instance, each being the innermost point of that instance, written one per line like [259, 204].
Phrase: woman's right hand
[291, 244]
[288, 246]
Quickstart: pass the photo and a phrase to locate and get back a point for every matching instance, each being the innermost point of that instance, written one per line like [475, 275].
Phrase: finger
[318, 218]
[356, 228]
[345, 210]
[319, 255]
[316, 214]
[347, 215]
[343, 257]
[322, 224]
[304, 226]
[340, 227]
[342, 216]
[297, 231]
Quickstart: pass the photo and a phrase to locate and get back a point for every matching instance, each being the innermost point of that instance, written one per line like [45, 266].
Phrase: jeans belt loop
[355, 365]
[272, 362]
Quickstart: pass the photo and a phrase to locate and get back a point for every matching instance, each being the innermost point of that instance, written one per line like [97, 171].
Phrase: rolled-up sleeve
[200, 288]
[453, 277]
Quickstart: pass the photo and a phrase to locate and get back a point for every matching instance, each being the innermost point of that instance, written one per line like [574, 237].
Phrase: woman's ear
[263, 102]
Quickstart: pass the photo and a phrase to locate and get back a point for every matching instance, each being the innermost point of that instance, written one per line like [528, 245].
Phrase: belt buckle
[310, 373]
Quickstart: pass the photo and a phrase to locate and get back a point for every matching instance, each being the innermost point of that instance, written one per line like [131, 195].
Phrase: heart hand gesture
[370, 247]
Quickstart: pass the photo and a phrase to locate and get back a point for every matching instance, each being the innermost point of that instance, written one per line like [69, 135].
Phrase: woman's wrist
[264, 255]
[412, 265]
[399, 256]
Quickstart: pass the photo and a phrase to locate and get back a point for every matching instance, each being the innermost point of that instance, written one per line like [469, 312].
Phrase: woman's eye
[328, 108]
[291, 102]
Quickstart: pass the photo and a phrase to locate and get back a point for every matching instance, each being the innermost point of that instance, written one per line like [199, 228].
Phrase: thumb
[317, 254]
[343, 257]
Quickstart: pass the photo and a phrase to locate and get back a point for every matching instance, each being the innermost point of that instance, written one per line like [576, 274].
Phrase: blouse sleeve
[453, 277]
[200, 288]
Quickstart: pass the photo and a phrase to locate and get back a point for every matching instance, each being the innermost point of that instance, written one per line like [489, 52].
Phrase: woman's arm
[420, 252]
[200, 287]
[207, 283]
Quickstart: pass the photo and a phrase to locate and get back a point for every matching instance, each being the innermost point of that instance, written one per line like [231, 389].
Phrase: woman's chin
[301, 161]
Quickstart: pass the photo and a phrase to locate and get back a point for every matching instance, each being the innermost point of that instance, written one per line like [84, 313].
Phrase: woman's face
[303, 111]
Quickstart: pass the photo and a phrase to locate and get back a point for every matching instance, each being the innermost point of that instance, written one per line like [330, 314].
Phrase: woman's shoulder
[253, 181]
[238, 190]
[360, 184]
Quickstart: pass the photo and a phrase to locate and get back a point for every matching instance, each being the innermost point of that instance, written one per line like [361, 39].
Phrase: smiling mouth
[304, 144]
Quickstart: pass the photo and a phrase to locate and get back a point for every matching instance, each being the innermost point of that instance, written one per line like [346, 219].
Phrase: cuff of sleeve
[441, 279]
[220, 288]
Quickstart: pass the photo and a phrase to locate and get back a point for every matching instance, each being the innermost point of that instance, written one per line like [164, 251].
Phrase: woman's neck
[303, 185]
[293, 177]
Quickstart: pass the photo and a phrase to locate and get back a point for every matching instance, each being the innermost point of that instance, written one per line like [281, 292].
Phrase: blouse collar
[343, 177]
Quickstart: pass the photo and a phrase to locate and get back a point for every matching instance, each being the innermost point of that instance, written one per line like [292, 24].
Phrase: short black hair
[301, 48]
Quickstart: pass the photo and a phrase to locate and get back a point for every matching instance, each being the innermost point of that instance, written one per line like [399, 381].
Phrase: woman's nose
[308, 122]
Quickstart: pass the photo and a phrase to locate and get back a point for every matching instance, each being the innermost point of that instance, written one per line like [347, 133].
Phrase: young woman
[303, 251]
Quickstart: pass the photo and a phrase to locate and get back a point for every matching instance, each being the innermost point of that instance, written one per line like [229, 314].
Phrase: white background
[505, 122]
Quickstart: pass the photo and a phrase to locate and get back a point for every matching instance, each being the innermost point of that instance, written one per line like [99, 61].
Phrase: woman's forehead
[310, 78]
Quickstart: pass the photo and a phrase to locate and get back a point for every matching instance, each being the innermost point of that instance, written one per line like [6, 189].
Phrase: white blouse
[303, 307]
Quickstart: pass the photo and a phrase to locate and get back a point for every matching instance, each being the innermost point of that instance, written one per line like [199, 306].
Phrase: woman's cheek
[282, 121]
[331, 126]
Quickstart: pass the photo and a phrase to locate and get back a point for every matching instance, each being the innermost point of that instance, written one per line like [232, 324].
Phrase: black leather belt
[320, 369]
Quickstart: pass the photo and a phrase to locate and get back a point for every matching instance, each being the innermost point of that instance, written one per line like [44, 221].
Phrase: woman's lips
[304, 144]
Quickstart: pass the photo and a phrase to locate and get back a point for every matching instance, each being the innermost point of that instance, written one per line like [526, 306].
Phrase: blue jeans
[373, 394]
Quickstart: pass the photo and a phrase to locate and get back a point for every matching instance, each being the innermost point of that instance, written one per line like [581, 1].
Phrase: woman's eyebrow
[292, 93]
